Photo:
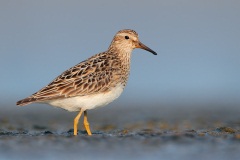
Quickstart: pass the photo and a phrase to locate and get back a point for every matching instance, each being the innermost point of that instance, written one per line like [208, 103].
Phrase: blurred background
[192, 85]
[198, 46]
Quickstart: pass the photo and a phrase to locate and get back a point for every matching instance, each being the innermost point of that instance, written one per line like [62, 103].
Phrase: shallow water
[118, 133]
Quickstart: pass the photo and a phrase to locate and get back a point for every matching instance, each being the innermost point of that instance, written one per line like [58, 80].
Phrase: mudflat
[156, 132]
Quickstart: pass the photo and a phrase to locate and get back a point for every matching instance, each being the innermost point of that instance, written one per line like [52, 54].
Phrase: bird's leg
[75, 123]
[86, 124]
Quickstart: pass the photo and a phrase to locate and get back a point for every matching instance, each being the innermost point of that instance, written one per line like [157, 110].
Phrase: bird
[92, 83]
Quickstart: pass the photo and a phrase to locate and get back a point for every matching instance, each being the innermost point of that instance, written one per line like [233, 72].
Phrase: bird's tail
[26, 101]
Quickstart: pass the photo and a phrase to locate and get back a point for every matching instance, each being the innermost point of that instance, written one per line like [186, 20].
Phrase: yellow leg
[86, 124]
[75, 124]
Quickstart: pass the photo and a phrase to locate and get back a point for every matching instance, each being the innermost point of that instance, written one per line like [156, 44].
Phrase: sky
[198, 46]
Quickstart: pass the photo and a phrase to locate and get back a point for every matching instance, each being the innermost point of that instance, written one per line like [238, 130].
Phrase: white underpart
[88, 102]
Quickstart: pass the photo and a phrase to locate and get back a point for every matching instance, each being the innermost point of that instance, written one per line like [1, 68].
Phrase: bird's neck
[123, 54]
[124, 57]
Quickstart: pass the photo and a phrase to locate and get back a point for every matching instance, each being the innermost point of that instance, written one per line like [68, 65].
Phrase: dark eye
[126, 37]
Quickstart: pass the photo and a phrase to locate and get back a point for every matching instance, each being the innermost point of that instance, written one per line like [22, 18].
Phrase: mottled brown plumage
[95, 75]
[94, 82]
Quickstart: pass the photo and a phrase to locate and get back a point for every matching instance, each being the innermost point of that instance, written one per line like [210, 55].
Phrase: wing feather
[88, 77]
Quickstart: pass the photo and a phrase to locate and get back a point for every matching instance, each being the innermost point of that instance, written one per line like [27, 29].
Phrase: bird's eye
[126, 37]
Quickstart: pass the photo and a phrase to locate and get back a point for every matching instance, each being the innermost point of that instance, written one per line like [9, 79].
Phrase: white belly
[88, 102]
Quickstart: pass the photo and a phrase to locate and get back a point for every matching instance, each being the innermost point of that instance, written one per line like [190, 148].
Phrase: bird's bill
[142, 46]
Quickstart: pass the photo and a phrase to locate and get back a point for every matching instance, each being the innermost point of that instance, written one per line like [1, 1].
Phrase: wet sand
[122, 133]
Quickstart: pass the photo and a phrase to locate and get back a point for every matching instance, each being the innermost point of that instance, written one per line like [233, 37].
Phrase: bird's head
[128, 40]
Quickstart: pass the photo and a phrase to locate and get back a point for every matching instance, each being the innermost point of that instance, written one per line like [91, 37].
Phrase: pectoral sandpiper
[94, 82]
